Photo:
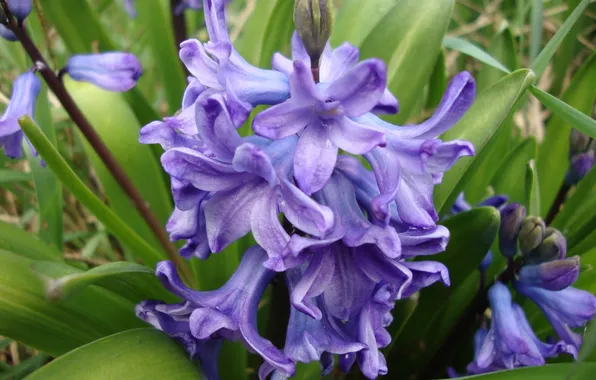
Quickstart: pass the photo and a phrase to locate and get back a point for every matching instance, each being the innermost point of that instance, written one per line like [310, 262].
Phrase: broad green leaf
[502, 49]
[585, 245]
[566, 112]
[119, 130]
[468, 48]
[545, 56]
[103, 213]
[132, 355]
[26, 316]
[17, 240]
[81, 30]
[553, 156]
[154, 19]
[472, 234]
[8, 176]
[532, 189]
[585, 191]
[411, 24]
[133, 281]
[278, 33]
[509, 179]
[437, 83]
[545, 372]
[478, 125]
[354, 22]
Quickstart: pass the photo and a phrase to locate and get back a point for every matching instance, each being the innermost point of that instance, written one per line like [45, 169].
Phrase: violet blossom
[112, 71]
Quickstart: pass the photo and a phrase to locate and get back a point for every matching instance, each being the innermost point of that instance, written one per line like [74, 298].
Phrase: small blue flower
[24, 95]
[20, 8]
[113, 71]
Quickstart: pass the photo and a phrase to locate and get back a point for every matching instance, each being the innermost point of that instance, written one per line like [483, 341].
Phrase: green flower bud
[314, 20]
[531, 234]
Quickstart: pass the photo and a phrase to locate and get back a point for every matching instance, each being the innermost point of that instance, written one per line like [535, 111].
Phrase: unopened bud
[553, 247]
[314, 21]
[553, 275]
[580, 165]
[488, 259]
[20, 9]
[512, 217]
[578, 142]
[531, 234]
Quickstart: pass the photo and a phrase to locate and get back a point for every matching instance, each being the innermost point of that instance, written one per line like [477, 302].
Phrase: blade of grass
[468, 48]
[536, 29]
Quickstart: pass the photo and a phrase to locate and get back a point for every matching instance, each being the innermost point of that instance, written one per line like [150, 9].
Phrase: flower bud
[553, 275]
[553, 247]
[314, 21]
[580, 165]
[578, 142]
[488, 259]
[512, 217]
[113, 71]
[7, 34]
[531, 234]
[20, 9]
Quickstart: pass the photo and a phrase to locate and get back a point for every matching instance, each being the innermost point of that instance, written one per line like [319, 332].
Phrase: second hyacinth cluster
[347, 240]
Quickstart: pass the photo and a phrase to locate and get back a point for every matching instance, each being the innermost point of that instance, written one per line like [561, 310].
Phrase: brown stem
[178, 23]
[559, 200]
[98, 145]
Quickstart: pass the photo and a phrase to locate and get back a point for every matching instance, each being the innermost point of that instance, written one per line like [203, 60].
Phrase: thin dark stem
[98, 145]
[559, 200]
[178, 23]
[314, 68]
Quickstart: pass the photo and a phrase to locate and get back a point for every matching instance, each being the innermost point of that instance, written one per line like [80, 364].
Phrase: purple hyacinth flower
[334, 63]
[308, 339]
[565, 309]
[510, 341]
[414, 159]
[580, 165]
[112, 71]
[7, 34]
[229, 312]
[218, 66]
[321, 115]
[250, 181]
[20, 9]
[24, 95]
[551, 275]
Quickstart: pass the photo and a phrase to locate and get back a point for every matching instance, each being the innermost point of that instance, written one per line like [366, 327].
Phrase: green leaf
[541, 62]
[508, 179]
[532, 189]
[546, 372]
[437, 83]
[154, 18]
[119, 131]
[81, 30]
[136, 354]
[47, 186]
[411, 24]
[133, 281]
[472, 234]
[468, 48]
[279, 32]
[563, 110]
[553, 156]
[24, 368]
[8, 176]
[478, 125]
[104, 214]
[27, 317]
[583, 193]
[536, 19]
[502, 49]
[354, 22]
[17, 240]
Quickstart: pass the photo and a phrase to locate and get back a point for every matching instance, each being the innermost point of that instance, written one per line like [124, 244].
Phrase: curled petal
[314, 159]
[387, 104]
[252, 159]
[282, 120]
[215, 127]
[552, 275]
[199, 64]
[336, 62]
[112, 71]
[424, 242]
[354, 137]
[265, 225]
[313, 282]
[426, 273]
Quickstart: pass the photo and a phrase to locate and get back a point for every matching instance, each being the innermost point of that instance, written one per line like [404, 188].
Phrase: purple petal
[336, 62]
[161, 133]
[302, 84]
[192, 92]
[314, 281]
[282, 64]
[215, 127]
[199, 64]
[386, 170]
[360, 88]
[112, 71]
[265, 225]
[438, 157]
[426, 273]
[282, 120]
[229, 212]
[553, 275]
[314, 158]
[424, 242]
[252, 159]
[354, 137]
[215, 18]
[387, 104]
[304, 213]
[414, 203]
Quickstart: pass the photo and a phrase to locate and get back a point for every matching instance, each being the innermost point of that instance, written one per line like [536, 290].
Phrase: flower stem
[559, 200]
[178, 23]
[98, 145]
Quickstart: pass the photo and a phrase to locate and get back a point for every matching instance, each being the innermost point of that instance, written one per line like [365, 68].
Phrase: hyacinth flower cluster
[539, 270]
[341, 236]
[112, 71]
